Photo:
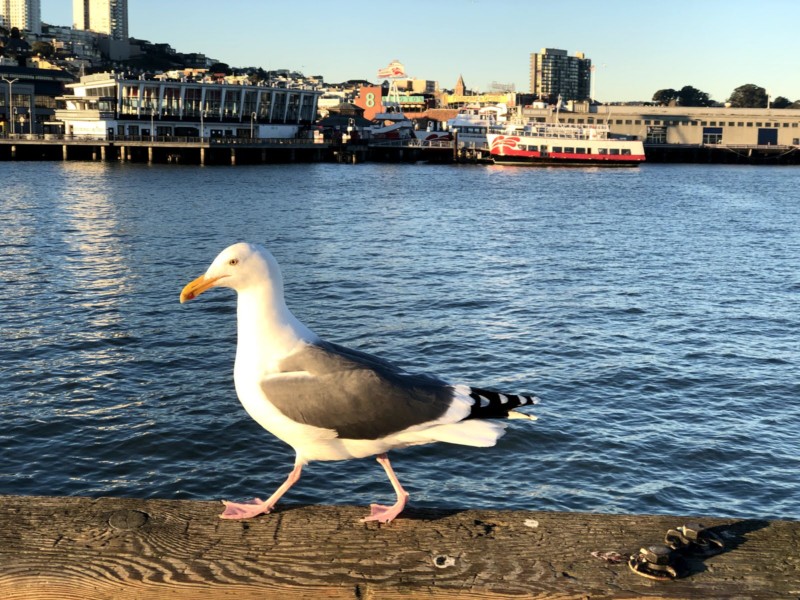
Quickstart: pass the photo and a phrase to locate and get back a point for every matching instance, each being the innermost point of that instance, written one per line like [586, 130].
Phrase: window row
[674, 123]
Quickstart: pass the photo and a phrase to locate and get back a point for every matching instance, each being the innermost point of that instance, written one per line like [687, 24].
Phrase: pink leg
[385, 514]
[247, 510]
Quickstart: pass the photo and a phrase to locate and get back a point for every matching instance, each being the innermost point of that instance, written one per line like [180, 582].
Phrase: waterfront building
[23, 14]
[113, 105]
[456, 100]
[28, 97]
[417, 86]
[734, 128]
[102, 16]
[554, 73]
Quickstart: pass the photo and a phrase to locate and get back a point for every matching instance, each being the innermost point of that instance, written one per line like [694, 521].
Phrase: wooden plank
[120, 548]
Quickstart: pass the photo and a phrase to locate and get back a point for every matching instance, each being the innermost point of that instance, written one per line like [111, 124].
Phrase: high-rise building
[554, 73]
[22, 14]
[101, 16]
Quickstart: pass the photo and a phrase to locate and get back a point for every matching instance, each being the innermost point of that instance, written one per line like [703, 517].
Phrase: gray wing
[357, 395]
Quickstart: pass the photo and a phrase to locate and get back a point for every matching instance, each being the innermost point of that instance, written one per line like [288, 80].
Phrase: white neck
[267, 331]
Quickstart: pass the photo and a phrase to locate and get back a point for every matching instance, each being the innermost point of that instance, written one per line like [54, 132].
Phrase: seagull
[329, 402]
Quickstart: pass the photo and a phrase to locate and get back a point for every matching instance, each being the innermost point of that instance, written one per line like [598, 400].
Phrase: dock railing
[69, 547]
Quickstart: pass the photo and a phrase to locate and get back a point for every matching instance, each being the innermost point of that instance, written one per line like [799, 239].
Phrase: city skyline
[636, 48]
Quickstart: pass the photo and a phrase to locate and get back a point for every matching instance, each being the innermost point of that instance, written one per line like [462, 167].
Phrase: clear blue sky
[638, 46]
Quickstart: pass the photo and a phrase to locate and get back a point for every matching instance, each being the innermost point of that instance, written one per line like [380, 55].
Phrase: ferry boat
[391, 126]
[473, 123]
[564, 144]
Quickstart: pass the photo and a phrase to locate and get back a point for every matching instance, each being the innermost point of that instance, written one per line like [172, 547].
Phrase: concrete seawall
[66, 547]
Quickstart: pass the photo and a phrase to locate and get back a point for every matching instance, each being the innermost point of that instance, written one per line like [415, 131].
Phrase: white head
[241, 267]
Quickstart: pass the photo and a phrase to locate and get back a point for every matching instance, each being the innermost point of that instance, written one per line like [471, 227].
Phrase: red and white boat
[565, 144]
[391, 126]
[473, 123]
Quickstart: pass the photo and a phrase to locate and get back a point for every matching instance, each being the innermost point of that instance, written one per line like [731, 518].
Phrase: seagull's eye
[233, 262]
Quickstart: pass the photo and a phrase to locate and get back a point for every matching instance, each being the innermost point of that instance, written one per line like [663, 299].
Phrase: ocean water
[656, 312]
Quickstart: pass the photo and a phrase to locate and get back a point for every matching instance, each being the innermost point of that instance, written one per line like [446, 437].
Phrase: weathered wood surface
[64, 548]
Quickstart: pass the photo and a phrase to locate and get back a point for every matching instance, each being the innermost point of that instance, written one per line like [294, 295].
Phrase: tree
[665, 96]
[691, 96]
[686, 96]
[43, 49]
[748, 95]
[781, 102]
[219, 68]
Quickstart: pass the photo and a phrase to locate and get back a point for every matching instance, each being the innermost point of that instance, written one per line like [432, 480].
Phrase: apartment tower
[23, 14]
[554, 73]
[102, 16]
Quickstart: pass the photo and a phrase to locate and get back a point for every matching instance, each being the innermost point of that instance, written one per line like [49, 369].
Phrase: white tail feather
[518, 415]
[477, 432]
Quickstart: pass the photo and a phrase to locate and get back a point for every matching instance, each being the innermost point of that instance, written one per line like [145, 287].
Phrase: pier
[69, 547]
[749, 154]
[217, 150]
[243, 150]
[164, 149]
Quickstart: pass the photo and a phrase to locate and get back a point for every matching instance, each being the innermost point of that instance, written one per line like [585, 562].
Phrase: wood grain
[121, 548]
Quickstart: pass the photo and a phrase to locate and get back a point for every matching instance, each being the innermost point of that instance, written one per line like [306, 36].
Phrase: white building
[109, 17]
[110, 105]
[22, 14]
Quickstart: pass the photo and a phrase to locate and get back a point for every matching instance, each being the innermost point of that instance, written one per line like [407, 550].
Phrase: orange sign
[371, 100]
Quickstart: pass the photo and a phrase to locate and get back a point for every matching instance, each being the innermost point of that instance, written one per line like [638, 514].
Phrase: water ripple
[654, 311]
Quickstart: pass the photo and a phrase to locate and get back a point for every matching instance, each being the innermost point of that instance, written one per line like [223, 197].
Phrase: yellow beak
[194, 288]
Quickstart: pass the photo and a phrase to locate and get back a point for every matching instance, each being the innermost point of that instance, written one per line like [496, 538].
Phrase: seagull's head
[240, 267]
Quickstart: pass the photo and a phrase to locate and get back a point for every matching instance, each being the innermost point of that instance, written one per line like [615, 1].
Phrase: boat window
[557, 149]
[626, 151]
[580, 150]
[569, 150]
[614, 151]
[602, 150]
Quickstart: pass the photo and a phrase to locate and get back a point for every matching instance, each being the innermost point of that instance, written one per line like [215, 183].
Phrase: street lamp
[10, 82]
[252, 118]
[152, 123]
[202, 128]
